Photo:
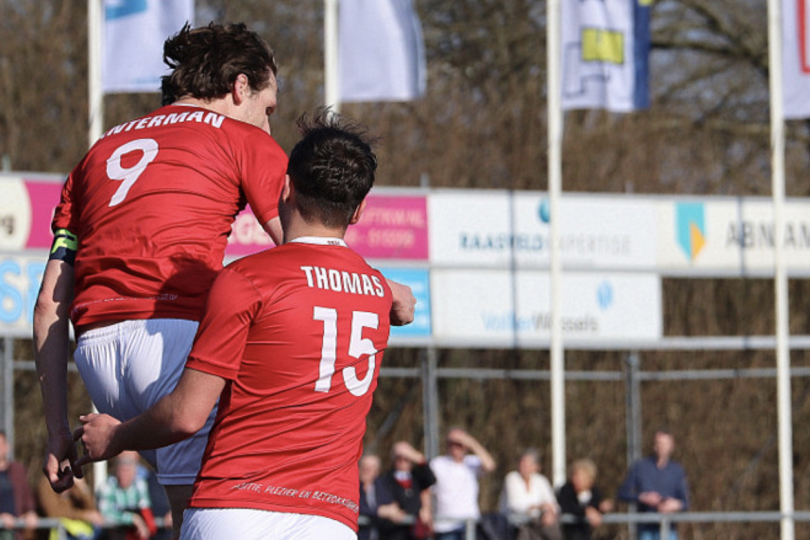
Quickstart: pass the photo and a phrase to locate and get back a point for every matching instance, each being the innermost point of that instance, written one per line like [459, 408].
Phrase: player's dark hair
[206, 61]
[332, 168]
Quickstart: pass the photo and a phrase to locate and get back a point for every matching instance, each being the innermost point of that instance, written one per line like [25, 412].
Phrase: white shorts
[127, 367]
[249, 524]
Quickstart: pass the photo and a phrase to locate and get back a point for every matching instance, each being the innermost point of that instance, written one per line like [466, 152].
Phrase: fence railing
[665, 521]
[56, 524]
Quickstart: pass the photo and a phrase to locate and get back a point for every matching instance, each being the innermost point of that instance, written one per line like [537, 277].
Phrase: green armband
[64, 246]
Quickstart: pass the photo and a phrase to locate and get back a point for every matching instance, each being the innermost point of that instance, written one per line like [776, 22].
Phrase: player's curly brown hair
[206, 61]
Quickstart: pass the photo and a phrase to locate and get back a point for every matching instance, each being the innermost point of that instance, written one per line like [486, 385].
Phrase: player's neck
[220, 105]
[303, 230]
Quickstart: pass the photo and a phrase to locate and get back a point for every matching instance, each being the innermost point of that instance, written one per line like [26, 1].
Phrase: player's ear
[358, 212]
[286, 190]
[240, 88]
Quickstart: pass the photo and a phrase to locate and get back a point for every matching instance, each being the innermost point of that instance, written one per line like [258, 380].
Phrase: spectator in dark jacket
[657, 484]
[579, 497]
[16, 496]
[376, 505]
[406, 484]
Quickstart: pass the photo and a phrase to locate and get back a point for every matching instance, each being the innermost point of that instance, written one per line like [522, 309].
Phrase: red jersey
[152, 205]
[299, 332]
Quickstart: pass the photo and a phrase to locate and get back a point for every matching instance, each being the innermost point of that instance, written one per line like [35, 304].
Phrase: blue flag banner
[796, 58]
[381, 53]
[605, 54]
[132, 41]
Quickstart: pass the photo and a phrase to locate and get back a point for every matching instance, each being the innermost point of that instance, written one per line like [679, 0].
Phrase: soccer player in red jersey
[140, 234]
[290, 343]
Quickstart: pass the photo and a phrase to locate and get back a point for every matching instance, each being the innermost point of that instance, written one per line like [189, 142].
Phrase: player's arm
[221, 337]
[402, 310]
[51, 351]
[273, 228]
[173, 418]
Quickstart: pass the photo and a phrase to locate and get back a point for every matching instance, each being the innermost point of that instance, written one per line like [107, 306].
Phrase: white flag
[796, 58]
[605, 53]
[380, 51]
[132, 42]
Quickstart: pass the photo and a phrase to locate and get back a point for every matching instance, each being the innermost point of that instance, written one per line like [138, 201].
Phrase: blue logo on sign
[604, 295]
[544, 211]
[115, 9]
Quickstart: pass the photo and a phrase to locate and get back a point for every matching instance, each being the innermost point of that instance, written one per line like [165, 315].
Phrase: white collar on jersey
[320, 240]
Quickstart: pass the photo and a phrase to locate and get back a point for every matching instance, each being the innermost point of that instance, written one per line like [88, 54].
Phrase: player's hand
[97, 435]
[60, 462]
[402, 311]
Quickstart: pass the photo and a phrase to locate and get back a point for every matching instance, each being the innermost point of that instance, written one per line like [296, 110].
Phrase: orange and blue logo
[690, 228]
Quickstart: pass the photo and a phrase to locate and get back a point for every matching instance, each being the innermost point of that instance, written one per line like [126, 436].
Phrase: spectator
[456, 487]
[407, 483]
[159, 501]
[16, 496]
[124, 501]
[376, 503]
[75, 508]
[579, 497]
[529, 500]
[657, 484]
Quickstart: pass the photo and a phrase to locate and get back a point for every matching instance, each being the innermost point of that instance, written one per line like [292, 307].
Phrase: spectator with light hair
[581, 498]
[528, 499]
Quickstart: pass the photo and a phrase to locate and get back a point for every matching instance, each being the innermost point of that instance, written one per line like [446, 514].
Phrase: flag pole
[555, 130]
[330, 46]
[95, 109]
[785, 429]
[95, 120]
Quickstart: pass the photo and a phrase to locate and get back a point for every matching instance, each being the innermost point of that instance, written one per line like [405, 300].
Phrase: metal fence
[665, 521]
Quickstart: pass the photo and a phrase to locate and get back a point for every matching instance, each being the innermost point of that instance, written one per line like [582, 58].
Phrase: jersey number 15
[358, 346]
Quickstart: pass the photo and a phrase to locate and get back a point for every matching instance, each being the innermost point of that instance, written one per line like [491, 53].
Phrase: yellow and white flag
[605, 51]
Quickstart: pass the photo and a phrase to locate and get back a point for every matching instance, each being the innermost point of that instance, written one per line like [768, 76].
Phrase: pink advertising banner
[26, 208]
[392, 226]
[44, 197]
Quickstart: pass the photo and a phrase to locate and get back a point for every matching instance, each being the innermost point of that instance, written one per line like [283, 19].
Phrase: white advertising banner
[500, 229]
[731, 237]
[499, 308]
[20, 277]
